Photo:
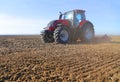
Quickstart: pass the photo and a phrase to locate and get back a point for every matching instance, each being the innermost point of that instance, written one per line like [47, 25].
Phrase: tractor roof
[76, 10]
[79, 10]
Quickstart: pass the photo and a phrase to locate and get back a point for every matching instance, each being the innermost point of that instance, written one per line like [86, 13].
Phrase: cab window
[68, 15]
[78, 18]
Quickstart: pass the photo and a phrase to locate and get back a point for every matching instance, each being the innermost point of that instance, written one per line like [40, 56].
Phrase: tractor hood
[51, 23]
[54, 23]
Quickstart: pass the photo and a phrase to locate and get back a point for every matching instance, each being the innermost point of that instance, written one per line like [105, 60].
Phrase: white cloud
[17, 25]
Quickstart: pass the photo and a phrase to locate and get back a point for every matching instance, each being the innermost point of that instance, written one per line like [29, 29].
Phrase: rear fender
[82, 23]
[63, 23]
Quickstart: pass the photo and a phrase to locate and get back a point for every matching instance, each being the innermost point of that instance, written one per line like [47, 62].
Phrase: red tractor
[70, 26]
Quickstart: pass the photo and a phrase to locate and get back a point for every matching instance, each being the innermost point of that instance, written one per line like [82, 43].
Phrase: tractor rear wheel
[61, 35]
[87, 33]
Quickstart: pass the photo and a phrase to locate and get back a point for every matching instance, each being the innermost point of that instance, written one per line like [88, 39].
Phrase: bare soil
[26, 58]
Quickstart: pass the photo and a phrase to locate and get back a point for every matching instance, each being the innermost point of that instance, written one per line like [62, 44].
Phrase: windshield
[68, 15]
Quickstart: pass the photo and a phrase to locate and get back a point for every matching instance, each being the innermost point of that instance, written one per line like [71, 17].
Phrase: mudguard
[84, 22]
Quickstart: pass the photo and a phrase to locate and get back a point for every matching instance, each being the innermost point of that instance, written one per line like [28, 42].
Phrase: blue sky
[30, 16]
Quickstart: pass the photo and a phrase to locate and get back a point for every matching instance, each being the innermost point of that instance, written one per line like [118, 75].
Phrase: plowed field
[26, 58]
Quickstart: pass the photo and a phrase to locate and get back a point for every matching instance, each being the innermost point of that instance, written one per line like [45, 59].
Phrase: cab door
[77, 20]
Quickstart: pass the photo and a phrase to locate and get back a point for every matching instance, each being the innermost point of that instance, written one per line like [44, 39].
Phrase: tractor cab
[75, 17]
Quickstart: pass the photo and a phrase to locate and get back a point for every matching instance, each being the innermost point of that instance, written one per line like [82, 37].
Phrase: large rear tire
[61, 35]
[87, 33]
